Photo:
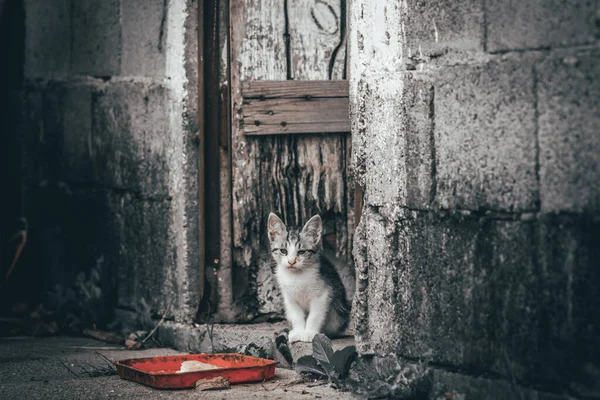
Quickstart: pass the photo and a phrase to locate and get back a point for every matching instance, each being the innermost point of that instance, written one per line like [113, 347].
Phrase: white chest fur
[301, 287]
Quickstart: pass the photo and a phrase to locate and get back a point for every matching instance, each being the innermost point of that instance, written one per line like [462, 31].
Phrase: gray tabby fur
[314, 295]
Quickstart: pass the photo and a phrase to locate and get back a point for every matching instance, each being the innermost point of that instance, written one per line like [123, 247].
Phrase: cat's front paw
[295, 335]
[308, 336]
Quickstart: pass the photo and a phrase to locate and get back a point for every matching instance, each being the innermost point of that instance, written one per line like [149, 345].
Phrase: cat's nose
[292, 262]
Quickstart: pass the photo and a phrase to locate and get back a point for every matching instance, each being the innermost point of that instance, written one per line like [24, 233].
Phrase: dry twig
[159, 322]
[68, 368]
[23, 235]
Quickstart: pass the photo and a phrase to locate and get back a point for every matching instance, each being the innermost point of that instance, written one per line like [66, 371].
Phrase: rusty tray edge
[119, 363]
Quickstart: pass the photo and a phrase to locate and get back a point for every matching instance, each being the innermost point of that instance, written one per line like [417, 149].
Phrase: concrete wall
[107, 124]
[476, 141]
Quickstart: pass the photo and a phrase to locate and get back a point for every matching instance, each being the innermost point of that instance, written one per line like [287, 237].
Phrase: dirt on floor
[81, 368]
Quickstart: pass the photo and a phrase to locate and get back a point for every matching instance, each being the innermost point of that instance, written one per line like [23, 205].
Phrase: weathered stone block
[24, 113]
[543, 23]
[50, 130]
[568, 344]
[144, 37]
[485, 136]
[385, 167]
[569, 126]
[48, 38]
[130, 142]
[73, 236]
[433, 300]
[146, 263]
[76, 160]
[505, 296]
[397, 136]
[417, 114]
[375, 51]
[435, 27]
[382, 329]
[96, 37]
[477, 387]
[391, 376]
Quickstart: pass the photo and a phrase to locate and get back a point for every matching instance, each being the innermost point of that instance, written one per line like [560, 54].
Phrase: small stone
[527, 216]
[572, 61]
[218, 383]
[132, 344]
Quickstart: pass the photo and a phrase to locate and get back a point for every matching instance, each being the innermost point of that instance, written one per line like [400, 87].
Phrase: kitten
[313, 293]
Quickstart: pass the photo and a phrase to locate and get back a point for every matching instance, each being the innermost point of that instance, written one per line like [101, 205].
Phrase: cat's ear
[313, 229]
[275, 227]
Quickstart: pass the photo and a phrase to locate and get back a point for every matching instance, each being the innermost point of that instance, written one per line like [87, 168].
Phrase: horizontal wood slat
[289, 107]
[294, 89]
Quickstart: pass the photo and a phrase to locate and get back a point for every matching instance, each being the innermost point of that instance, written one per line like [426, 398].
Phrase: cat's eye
[301, 252]
[283, 251]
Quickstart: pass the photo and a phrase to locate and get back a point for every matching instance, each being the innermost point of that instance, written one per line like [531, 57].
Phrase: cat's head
[292, 248]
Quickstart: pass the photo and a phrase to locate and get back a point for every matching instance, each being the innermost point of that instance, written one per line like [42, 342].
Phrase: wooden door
[289, 151]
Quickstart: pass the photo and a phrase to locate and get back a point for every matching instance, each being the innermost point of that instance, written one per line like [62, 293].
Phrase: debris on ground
[218, 383]
[452, 396]
[103, 336]
[75, 367]
[324, 363]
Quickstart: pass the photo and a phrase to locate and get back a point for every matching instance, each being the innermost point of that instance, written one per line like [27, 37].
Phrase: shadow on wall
[12, 45]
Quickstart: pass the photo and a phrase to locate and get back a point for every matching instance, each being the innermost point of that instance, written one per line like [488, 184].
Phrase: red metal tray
[161, 372]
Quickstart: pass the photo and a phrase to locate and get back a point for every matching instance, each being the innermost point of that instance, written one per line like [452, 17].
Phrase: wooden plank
[317, 29]
[318, 53]
[294, 89]
[288, 116]
[258, 52]
[295, 176]
[299, 128]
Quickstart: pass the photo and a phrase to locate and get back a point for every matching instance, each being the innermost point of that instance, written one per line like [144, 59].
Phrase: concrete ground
[77, 368]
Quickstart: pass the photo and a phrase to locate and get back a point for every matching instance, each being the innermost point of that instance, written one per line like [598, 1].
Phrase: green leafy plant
[324, 363]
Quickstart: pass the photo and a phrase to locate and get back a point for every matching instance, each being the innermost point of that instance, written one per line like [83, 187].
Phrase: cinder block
[97, 35]
[434, 27]
[509, 297]
[69, 234]
[417, 99]
[49, 141]
[422, 380]
[47, 38]
[76, 160]
[515, 25]
[130, 141]
[144, 37]
[485, 136]
[146, 253]
[569, 286]
[384, 162]
[382, 251]
[479, 387]
[569, 132]
[24, 115]
[434, 266]
[395, 141]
